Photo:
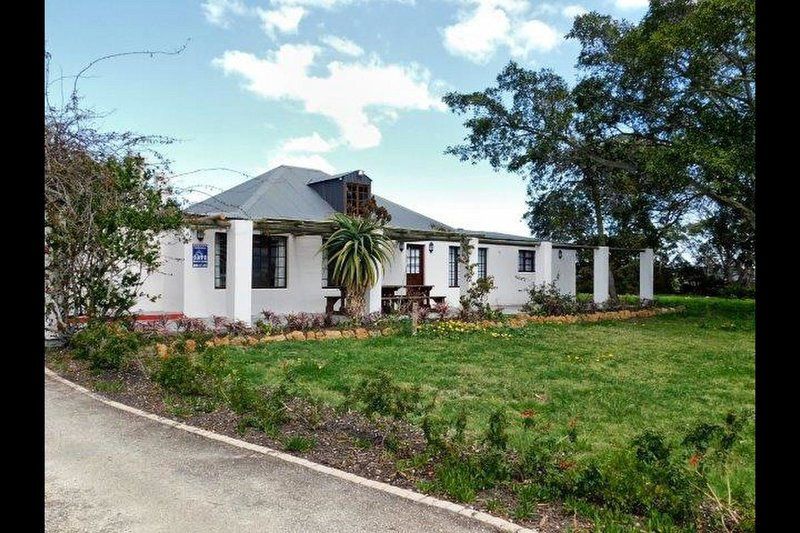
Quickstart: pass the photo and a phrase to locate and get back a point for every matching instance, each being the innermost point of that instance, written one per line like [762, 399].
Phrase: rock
[348, 334]
[333, 334]
[296, 336]
[361, 333]
[374, 333]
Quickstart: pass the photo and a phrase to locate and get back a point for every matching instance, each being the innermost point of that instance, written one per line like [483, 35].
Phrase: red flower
[694, 460]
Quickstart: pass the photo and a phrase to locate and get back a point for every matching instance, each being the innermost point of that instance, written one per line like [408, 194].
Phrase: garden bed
[343, 439]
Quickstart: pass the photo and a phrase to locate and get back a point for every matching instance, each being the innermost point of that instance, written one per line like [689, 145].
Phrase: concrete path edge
[493, 521]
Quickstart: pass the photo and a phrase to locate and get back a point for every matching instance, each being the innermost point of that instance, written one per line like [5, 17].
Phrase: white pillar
[544, 263]
[374, 293]
[646, 274]
[463, 286]
[601, 275]
[239, 276]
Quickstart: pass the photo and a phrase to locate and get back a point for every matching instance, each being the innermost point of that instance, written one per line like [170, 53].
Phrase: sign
[199, 255]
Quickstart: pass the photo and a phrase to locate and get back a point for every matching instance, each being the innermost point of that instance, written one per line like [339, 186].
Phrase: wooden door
[415, 264]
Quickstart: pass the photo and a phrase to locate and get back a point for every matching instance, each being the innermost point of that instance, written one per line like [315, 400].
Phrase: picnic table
[390, 299]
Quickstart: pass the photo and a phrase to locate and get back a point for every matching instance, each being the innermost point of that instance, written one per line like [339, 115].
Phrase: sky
[336, 85]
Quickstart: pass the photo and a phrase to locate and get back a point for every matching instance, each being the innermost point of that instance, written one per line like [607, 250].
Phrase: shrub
[381, 395]
[547, 300]
[191, 325]
[474, 303]
[496, 435]
[307, 321]
[106, 345]
[442, 309]
[225, 326]
[179, 374]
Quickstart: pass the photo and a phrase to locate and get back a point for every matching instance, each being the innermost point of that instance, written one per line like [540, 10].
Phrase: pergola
[240, 250]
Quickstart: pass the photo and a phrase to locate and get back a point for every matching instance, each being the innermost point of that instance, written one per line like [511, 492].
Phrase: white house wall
[303, 292]
[167, 281]
[190, 290]
[564, 270]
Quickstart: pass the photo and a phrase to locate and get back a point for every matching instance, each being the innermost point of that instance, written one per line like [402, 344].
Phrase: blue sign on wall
[199, 255]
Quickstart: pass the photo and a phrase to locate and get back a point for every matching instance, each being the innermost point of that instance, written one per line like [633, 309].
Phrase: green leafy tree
[358, 249]
[659, 128]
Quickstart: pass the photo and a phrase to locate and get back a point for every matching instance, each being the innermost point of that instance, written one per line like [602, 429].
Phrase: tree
[106, 204]
[681, 85]
[357, 249]
[658, 130]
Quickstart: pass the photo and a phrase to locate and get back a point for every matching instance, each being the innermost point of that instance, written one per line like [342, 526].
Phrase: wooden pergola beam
[323, 227]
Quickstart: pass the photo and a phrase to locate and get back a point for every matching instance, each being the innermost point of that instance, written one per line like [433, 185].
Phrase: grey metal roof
[283, 192]
[497, 235]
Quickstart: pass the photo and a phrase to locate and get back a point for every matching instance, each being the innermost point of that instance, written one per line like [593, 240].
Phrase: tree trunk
[356, 302]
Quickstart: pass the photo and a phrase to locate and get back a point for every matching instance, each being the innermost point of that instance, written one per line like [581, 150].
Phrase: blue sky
[331, 84]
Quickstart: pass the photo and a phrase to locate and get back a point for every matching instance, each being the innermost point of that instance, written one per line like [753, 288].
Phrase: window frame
[326, 269]
[220, 260]
[523, 258]
[265, 245]
[485, 264]
[452, 266]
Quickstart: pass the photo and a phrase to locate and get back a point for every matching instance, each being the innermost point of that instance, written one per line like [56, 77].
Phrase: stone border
[516, 321]
[485, 518]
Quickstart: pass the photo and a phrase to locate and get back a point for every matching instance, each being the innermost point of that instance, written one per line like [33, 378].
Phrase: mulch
[344, 439]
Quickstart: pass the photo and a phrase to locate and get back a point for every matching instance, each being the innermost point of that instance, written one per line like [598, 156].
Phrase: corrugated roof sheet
[283, 192]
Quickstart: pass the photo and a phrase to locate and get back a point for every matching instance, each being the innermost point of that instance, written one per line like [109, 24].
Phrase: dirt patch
[386, 451]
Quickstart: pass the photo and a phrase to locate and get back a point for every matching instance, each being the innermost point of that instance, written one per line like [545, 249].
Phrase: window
[220, 259]
[481, 263]
[269, 262]
[327, 269]
[452, 266]
[357, 198]
[527, 261]
[413, 254]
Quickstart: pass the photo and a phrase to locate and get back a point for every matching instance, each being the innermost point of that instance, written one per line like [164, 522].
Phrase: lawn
[612, 379]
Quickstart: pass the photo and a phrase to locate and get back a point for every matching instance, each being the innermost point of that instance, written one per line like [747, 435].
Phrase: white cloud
[486, 25]
[573, 11]
[285, 19]
[313, 143]
[217, 12]
[299, 160]
[533, 35]
[343, 46]
[478, 35]
[631, 4]
[350, 94]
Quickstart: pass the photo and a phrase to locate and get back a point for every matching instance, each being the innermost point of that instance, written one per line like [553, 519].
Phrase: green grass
[614, 379]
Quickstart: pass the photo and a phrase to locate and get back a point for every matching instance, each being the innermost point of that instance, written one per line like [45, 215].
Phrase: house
[257, 246]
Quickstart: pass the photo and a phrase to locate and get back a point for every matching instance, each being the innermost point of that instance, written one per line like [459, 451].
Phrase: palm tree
[357, 249]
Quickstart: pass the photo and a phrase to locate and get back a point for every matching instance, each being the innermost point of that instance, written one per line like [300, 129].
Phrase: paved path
[108, 470]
